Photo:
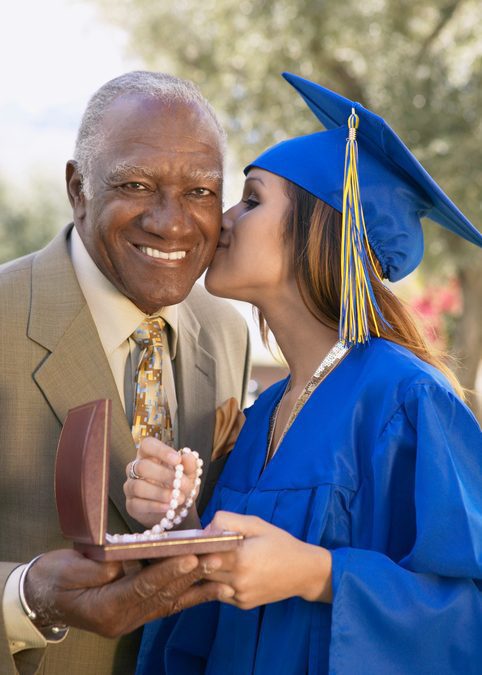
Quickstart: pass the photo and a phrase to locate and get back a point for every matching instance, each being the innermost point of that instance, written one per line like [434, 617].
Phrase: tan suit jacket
[51, 359]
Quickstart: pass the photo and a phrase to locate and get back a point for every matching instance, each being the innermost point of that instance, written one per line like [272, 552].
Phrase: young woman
[357, 480]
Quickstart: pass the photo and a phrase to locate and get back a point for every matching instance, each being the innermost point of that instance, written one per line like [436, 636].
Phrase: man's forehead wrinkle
[160, 144]
[151, 129]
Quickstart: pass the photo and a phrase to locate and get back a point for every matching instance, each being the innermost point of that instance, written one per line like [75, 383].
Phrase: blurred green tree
[419, 65]
[29, 220]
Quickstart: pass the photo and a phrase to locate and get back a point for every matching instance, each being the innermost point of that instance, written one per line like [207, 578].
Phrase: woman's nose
[228, 218]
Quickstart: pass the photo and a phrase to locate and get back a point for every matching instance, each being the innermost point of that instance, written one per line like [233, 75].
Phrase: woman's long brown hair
[313, 228]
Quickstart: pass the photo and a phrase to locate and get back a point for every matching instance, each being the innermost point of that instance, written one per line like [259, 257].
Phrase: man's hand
[63, 587]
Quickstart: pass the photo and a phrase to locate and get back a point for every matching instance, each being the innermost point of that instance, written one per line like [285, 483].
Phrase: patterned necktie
[151, 411]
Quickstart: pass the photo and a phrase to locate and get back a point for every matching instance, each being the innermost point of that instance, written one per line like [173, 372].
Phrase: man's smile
[163, 255]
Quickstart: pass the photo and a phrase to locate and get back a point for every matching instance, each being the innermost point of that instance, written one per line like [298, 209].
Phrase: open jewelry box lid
[81, 493]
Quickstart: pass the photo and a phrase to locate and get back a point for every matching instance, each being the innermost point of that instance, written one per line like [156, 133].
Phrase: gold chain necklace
[336, 354]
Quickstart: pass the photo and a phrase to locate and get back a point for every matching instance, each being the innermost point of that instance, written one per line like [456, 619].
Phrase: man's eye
[134, 185]
[202, 192]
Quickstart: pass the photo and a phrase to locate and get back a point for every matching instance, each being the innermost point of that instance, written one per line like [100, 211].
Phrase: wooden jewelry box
[81, 492]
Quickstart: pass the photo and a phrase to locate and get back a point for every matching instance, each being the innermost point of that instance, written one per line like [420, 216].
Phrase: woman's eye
[250, 203]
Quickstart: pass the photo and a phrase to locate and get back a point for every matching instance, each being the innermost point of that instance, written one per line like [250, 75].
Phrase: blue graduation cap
[360, 167]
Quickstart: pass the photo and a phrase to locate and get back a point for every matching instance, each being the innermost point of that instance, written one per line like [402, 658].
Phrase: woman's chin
[220, 287]
[214, 287]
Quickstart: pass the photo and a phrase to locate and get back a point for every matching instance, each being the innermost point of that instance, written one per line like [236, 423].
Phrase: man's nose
[167, 217]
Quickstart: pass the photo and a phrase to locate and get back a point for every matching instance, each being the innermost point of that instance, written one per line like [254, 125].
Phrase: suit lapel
[76, 370]
[195, 387]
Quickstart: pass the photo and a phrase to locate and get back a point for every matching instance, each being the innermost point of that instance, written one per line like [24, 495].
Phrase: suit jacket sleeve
[25, 662]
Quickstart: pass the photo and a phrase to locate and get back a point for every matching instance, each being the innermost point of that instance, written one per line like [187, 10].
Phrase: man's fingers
[157, 591]
[128, 602]
[193, 595]
[213, 562]
[170, 576]
[206, 592]
[175, 575]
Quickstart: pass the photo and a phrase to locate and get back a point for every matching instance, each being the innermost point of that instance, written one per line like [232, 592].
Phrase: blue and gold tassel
[357, 301]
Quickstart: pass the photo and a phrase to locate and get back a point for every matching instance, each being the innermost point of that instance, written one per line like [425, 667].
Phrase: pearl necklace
[172, 517]
[331, 360]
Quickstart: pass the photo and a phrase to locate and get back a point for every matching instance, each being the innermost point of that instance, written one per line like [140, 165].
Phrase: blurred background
[419, 65]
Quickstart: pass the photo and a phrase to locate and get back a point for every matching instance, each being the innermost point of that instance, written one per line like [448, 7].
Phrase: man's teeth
[155, 253]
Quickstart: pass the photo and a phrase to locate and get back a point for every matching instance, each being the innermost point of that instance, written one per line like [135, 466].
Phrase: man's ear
[74, 190]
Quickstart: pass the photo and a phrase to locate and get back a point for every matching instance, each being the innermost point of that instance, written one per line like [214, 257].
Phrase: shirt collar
[115, 316]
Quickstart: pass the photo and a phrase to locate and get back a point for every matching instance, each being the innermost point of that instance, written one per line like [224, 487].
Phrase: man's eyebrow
[125, 170]
[200, 174]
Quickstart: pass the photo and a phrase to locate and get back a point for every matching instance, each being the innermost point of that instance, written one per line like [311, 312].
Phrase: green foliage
[28, 221]
[417, 64]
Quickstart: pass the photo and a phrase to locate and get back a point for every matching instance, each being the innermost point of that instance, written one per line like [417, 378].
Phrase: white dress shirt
[116, 318]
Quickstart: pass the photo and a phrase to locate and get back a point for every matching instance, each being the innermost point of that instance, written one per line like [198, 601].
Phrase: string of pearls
[173, 516]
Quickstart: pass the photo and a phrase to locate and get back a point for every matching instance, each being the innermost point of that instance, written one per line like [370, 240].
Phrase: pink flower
[436, 306]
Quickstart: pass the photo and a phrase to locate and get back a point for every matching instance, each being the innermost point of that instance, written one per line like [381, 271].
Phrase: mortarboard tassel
[357, 300]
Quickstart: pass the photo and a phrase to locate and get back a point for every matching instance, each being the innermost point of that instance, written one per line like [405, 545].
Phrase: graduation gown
[382, 466]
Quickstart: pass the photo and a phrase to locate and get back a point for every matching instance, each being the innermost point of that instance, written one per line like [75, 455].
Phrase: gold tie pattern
[151, 411]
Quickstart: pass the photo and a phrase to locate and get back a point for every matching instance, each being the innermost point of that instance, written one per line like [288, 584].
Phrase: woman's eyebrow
[254, 178]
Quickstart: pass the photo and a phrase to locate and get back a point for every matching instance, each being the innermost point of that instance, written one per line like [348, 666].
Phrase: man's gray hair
[160, 86]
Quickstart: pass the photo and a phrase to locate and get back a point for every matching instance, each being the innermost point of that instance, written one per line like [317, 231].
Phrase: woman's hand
[148, 497]
[270, 564]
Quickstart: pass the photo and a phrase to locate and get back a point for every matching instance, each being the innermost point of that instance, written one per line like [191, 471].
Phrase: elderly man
[146, 193]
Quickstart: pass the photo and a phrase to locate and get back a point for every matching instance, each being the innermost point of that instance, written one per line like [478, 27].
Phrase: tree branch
[446, 14]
